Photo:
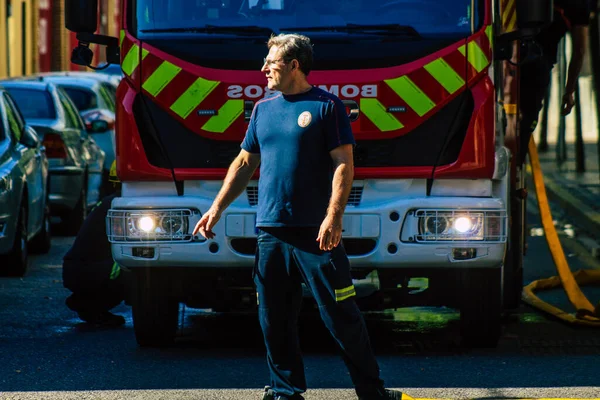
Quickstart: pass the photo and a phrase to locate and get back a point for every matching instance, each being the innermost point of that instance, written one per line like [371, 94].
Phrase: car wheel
[78, 214]
[155, 312]
[42, 242]
[17, 260]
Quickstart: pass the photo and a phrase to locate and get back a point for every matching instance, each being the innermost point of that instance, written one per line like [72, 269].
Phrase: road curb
[587, 217]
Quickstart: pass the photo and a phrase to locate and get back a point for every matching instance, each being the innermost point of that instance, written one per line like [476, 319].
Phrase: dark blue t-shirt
[294, 135]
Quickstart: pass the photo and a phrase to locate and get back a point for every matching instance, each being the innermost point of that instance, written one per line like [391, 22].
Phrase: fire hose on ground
[586, 314]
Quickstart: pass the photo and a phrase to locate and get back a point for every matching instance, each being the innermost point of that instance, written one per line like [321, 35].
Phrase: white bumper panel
[379, 216]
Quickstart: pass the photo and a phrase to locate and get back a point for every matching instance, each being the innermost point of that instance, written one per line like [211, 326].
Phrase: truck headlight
[455, 225]
[449, 225]
[148, 225]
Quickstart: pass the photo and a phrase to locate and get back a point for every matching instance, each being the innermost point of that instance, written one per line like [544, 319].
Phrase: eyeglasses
[272, 62]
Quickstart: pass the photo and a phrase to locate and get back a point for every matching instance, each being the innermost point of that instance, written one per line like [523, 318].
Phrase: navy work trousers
[286, 257]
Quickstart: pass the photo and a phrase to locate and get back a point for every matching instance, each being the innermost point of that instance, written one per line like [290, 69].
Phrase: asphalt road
[47, 353]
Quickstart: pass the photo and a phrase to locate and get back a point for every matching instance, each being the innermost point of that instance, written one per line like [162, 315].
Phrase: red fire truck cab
[434, 217]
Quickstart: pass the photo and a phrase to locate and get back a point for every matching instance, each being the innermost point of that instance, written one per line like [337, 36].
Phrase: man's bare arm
[579, 35]
[238, 175]
[343, 164]
[579, 39]
[330, 232]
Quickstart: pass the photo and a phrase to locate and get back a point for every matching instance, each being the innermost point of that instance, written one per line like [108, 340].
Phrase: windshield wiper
[382, 29]
[248, 30]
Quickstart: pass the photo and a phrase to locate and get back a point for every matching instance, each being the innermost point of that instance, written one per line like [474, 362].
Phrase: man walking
[569, 16]
[302, 139]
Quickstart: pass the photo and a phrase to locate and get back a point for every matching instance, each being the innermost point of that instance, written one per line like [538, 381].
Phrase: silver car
[94, 97]
[24, 211]
[75, 159]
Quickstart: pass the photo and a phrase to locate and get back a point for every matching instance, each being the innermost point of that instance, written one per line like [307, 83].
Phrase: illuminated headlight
[458, 225]
[148, 225]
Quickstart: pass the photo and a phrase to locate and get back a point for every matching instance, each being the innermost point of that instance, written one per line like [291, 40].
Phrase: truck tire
[155, 312]
[481, 307]
[15, 263]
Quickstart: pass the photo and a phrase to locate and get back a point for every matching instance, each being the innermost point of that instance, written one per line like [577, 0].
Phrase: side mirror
[98, 120]
[30, 138]
[81, 15]
[98, 126]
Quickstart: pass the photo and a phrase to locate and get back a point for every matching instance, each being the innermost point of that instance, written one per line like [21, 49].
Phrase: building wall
[18, 37]
[33, 37]
[3, 40]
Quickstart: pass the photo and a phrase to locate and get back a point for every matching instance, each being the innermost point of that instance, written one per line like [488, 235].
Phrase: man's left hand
[330, 233]
[568, 102]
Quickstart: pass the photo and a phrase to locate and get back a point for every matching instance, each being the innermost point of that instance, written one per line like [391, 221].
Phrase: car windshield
[34, 104]
[449, 17]
[83, 99]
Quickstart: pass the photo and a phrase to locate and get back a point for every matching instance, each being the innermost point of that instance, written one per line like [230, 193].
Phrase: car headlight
[455, 225]
[149, 225]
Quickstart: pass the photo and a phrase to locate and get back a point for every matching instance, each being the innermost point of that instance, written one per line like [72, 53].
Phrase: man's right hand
[207, 222]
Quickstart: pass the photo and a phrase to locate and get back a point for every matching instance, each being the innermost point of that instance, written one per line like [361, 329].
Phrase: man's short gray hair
[294, 46]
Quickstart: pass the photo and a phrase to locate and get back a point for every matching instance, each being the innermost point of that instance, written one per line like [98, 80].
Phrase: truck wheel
[155, 312]
[15, 263]
[481, 308]
[42, 241]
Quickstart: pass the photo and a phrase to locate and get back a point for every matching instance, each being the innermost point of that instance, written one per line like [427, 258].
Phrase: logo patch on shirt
[304, 119]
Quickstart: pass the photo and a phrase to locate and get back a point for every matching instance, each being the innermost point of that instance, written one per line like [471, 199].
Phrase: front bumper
[372, 234]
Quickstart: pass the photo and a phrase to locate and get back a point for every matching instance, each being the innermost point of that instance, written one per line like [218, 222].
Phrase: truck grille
[353, 200]
[353, 246]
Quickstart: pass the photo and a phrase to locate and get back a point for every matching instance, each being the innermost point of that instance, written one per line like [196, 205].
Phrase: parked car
[75, 159]
[93, 96]
[24, 211]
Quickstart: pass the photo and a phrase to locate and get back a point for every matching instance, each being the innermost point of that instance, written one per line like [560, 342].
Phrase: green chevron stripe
[445, 75]
[411, 94]
[193, 96]
[227, 114]
[377, 113]
[160, 78]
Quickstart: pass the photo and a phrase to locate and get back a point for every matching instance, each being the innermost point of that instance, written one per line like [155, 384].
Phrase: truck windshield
[347, 34]
[426, 16]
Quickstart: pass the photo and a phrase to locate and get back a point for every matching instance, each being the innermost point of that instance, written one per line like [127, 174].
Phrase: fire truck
[436, 212]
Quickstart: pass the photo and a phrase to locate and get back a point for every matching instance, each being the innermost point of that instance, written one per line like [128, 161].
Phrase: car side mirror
[98, 126]
[30, 138]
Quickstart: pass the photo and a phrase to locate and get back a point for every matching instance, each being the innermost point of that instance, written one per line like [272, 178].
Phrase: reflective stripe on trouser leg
[116, 271]
[343, 294]
[323, 272]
